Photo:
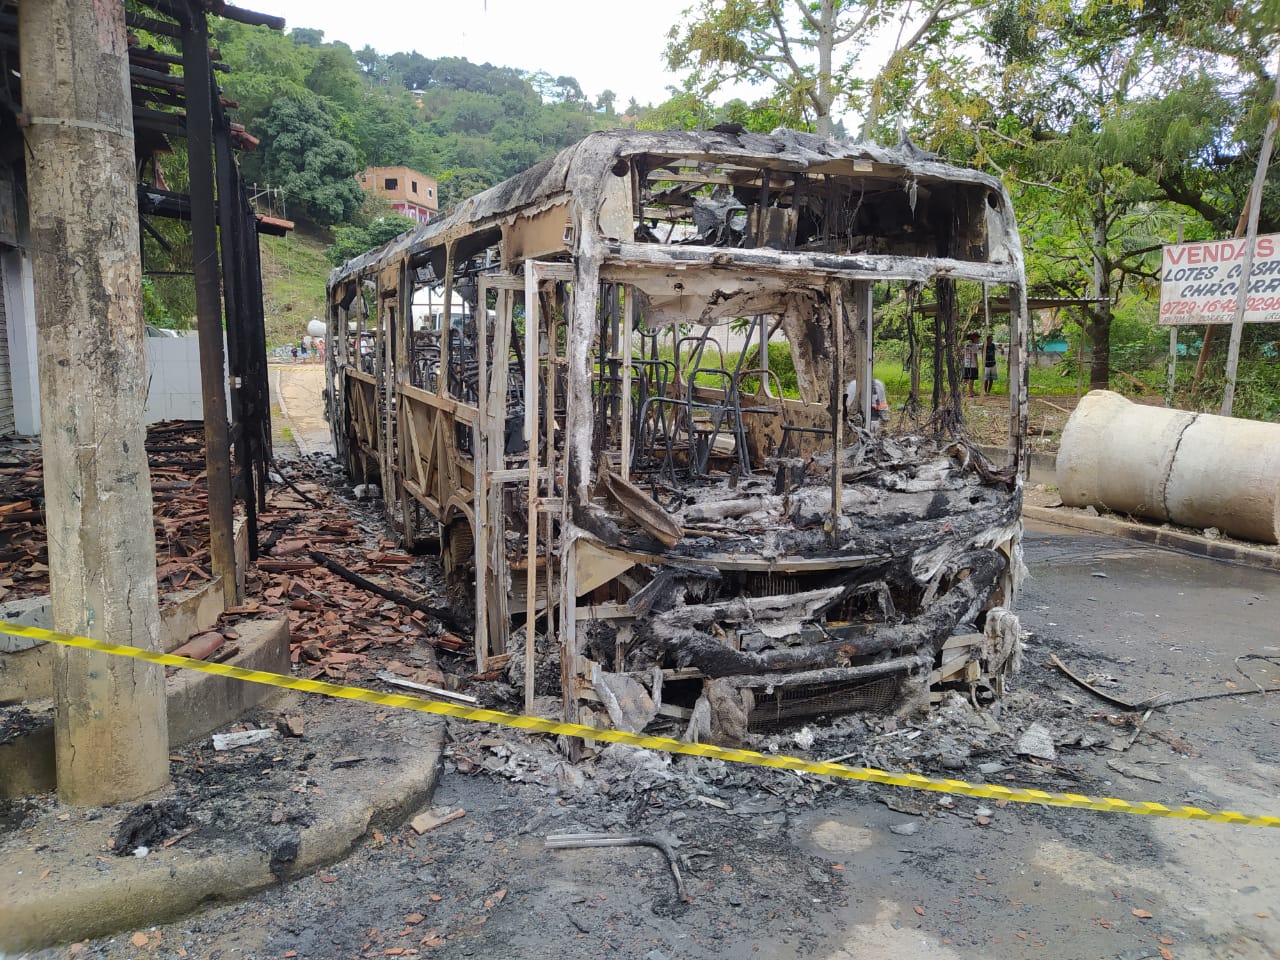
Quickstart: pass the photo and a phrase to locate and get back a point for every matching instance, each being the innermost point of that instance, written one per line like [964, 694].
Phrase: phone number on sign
[1228, 306]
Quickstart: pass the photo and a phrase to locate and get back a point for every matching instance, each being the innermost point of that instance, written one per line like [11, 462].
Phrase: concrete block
[27, 675]
[26, 666]
[29, 612]
[26, 759]
[197, 703]
[188, 612]
[201, 702]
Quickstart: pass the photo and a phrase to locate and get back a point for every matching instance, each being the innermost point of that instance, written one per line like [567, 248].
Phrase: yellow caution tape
[984, 791]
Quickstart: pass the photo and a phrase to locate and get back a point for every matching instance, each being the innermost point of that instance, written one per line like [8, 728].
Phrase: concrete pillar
[110, 725]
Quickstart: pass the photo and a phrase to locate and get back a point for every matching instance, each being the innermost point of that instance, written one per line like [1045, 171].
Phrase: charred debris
[572, 383]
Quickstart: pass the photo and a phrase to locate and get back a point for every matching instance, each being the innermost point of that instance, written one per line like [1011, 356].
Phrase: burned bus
[630, 392]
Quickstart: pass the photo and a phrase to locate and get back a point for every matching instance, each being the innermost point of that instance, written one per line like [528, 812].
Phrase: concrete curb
[1044, 471]
[1074, 519]
[40, 907]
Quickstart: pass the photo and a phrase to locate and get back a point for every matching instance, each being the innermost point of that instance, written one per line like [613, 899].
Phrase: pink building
[410, 193]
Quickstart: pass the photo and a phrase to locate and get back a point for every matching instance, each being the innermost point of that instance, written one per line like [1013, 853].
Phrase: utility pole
[1251, 236]
[110, 726]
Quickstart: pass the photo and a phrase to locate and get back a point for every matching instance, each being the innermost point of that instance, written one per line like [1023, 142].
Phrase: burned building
[574, 380]
[174, 97]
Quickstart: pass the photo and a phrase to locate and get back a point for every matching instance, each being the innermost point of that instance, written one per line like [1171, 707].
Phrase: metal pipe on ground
[1194, 469]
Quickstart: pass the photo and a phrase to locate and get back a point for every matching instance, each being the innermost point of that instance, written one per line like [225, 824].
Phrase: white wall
[173, 379]
[20, 308]
[173, 363]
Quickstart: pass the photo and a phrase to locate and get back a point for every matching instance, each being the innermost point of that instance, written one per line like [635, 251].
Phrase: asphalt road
[783, 868]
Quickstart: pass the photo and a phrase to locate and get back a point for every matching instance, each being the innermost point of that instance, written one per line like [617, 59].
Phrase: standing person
[879, 403]
[970, 364]
[989, 369]
[294, 351]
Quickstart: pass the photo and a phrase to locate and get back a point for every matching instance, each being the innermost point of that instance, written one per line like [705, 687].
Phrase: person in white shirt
[879, 402]
[970, 363]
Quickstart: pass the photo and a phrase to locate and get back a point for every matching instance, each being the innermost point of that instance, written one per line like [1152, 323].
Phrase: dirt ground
[987, 420]
[785, 866]
[298, 389]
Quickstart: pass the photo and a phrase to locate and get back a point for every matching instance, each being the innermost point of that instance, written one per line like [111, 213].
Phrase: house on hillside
[410, 193]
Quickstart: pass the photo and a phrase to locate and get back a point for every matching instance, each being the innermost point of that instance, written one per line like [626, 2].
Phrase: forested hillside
[324, 112]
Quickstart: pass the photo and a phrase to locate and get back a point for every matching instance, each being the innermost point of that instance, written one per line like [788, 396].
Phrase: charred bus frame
[693, 544]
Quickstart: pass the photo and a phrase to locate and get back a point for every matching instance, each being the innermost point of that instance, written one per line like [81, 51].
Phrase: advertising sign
[1200, 282]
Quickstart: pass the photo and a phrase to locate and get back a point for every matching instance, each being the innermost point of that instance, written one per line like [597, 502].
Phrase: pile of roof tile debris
[175, 451]
[354, 602]
[23, 554]
[347, 592]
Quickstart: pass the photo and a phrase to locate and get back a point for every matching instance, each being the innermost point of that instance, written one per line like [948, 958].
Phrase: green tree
[809, 52]
[413, 69]
[568, 90]
[350, 241]
[543, 84]
[306, 37]
[371, 62]
[382, 129]
[688, 111]
[458, 183]
[265, 66]
[1113, 131]
[333, 75]
[302, 153]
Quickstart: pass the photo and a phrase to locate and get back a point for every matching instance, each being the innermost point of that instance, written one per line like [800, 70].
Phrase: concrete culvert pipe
[1193, 469]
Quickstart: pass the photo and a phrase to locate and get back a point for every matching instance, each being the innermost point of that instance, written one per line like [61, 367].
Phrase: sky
[604, 45]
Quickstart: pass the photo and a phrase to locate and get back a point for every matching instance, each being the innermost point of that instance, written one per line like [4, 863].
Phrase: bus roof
[583, 165]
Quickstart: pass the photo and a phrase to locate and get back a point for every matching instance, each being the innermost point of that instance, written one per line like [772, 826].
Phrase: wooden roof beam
[161, 28]
[217, 8]
[145, 56]
[240, 15]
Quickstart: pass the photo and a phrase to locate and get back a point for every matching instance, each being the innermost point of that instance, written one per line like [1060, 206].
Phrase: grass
[294, 271]
[1044, 381]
